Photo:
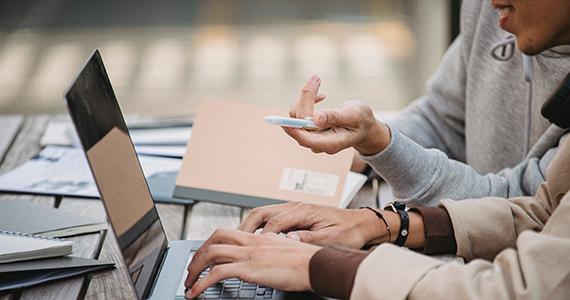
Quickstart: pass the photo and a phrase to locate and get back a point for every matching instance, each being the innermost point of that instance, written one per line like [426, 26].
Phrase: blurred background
[164, 57]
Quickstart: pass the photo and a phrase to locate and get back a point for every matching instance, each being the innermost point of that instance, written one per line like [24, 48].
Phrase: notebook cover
[39, 218]
[30, 273]
[234, 157]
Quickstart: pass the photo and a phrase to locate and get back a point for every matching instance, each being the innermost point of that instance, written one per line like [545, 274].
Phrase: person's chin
[529, 46]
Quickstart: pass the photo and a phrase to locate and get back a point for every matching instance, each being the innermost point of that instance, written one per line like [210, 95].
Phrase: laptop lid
[116, 169]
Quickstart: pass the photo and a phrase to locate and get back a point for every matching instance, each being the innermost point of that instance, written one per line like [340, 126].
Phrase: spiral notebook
[18, 247]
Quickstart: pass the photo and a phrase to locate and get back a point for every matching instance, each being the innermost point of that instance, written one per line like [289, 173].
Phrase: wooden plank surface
[115, 284]
[107, 285]
[26, 145]
[172, 217]
[204, 218]
[9, 127]
[25, 138]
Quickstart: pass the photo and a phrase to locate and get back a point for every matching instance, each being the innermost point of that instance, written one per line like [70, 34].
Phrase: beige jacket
[516, 249]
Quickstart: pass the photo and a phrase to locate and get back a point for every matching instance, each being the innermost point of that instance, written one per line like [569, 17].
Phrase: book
[235, 158]
[31, 218]
[16, 246]
[24, 274]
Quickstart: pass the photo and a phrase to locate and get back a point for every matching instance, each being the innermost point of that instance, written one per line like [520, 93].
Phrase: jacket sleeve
[526, 263]
[537, 269]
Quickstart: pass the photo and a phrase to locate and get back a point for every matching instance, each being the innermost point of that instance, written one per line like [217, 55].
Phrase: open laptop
[157, 267]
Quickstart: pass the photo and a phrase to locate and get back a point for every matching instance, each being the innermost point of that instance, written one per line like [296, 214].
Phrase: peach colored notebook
[235, 158]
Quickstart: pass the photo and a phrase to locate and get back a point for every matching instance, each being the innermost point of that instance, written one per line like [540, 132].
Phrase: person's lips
[505, 12]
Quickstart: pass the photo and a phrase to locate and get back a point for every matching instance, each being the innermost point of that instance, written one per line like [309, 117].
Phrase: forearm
[429, 229]
[424, 176]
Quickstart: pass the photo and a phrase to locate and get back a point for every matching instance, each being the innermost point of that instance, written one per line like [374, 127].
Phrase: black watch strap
[401, 209]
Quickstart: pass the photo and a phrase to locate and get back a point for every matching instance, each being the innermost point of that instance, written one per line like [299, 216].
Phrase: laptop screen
[117, 172]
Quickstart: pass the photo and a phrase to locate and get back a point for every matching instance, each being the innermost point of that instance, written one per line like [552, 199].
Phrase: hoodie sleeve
[425, 176]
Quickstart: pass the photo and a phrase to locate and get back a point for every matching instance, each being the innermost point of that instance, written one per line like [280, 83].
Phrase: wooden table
[19, 141]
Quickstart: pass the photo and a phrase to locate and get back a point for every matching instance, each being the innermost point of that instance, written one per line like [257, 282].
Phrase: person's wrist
[393, 220]
[416, 239]
[377, 139]
[373, 229]
[416, 236]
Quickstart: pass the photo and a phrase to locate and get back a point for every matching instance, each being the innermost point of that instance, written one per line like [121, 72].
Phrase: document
[62, 133]
[64, 171]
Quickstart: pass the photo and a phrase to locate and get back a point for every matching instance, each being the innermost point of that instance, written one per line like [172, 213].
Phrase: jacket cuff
[391, 272]
[405, 165]
[438, 230]
[332, 271]
[477, 239]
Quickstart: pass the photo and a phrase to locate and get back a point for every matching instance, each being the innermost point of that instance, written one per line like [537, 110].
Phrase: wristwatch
[402, 210]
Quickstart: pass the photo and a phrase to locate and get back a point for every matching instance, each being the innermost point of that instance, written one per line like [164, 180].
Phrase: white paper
[166, 151]
[64, 171]
[309, 182]
[62, 133]
[161, 136]
[352, 184]
[56, 133]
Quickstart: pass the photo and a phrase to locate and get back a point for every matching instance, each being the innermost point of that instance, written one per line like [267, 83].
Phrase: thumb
[329, 118]
[305, 236]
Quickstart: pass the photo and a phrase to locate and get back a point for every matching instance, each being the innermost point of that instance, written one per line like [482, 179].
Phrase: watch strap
[401, 209]
[404, 228]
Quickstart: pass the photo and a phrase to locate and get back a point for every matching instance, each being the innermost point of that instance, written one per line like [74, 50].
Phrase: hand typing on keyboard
[269, 260]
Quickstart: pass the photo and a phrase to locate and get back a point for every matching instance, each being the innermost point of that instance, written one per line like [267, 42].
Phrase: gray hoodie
[478, 130]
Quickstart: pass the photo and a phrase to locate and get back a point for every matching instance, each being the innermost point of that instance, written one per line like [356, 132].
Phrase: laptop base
[173, 270]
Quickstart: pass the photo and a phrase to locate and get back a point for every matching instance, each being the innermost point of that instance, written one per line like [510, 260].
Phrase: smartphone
[291, 122]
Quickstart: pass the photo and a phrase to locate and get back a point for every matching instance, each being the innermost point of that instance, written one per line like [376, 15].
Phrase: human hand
[321, 225]
[268, 260]
[352, 124]
[305, 105]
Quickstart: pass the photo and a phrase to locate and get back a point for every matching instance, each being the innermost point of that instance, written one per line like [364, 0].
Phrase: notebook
[18, 247]
[235, 158]
[25, 274]
[26, 217]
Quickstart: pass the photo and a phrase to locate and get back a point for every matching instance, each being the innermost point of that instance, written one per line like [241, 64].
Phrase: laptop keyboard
[234, 288]
[231, 288]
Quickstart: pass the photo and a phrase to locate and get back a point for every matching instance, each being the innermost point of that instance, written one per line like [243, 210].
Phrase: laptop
[157, 268]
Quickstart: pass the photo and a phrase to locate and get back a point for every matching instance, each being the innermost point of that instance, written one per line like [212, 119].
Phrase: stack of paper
[64, 171]
[17, 247]
[156, 141]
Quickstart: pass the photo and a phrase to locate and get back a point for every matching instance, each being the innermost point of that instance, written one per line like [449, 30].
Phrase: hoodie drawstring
[528, 72]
